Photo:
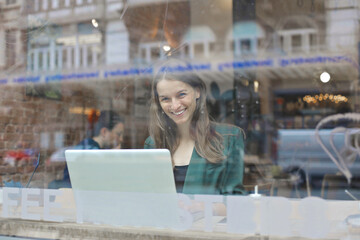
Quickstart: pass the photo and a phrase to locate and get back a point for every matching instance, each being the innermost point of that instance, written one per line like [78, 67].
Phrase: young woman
[207, 157]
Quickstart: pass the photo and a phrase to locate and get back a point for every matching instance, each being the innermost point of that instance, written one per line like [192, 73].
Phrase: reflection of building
[282, 50]
[11, 36]
[66, 35]
[274, 56]
[245, 38]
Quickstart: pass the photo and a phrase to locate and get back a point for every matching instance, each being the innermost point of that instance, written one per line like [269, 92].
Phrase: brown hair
[164, 131]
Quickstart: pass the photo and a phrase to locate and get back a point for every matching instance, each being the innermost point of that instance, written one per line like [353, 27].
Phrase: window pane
[248, 97]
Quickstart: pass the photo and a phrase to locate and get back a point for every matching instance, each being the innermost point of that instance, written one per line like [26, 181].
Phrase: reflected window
[88, 56]
[232, 46]
[212, 47]
[260, 43]
[44, 4]
[143, 53]
[10, 2]
[245, 46]
[81, 57]
[198, 50]
[243, 37]
[64, 56]
[36, 5]
[155, 53]
[85, 28]
[55, 4]
[296, 43]
[56, 58]
[96, 54]
[40, 60]
[46, 59]
[31, 62]
[187, 50]
[199, 39]
[10, 38]
[313, 41]
[298, 34]
[281, 42]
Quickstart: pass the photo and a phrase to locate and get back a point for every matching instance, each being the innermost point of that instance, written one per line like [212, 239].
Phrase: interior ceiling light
[325, 77]
[94, 23]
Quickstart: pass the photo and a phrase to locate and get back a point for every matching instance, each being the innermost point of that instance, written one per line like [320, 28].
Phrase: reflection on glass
[261, 62]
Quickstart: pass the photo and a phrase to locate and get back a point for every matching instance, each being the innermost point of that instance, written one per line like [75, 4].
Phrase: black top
[179, 175]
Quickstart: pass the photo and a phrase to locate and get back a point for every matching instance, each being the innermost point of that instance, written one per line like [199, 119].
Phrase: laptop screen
[124, 187]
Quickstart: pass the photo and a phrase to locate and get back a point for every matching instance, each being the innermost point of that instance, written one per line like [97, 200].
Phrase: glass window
[85, 28]
[244, 98]
[245, 46]
[198, 49]
[143, 53]
[155, 53]
[89, 56]
[10, 2]
[313, 40]
[296, 43]
[55, 4]
[212, 47]
[36, 5]
[10, 38]
[45, 4]
[64, 57]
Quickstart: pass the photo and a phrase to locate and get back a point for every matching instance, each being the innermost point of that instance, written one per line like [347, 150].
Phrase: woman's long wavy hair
[164, 131]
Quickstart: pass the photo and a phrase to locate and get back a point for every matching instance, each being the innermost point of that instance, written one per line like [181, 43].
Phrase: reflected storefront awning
[280, 68]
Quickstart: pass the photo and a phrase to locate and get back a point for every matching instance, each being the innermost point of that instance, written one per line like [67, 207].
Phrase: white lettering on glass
[14, 197]
[25, 203]
[240, 215]
[208, 208]
[48, 205]
[275, 216]
[267, 216]
[314, 223]
[7, 202]
[186, 219]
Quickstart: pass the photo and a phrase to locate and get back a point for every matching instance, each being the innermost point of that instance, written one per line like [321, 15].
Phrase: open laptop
[124, 187]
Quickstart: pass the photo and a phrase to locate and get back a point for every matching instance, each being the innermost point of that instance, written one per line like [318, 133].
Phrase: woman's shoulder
[149, 142]
[228, 129]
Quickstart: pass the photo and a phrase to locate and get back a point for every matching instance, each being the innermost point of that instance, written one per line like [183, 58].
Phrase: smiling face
[177, 100]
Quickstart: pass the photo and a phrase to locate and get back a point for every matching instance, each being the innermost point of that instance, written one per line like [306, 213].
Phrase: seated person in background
[108, 134]
[207, 156]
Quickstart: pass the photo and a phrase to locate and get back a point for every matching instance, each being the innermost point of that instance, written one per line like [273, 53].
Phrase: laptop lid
[133, 187]
[127, 170]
